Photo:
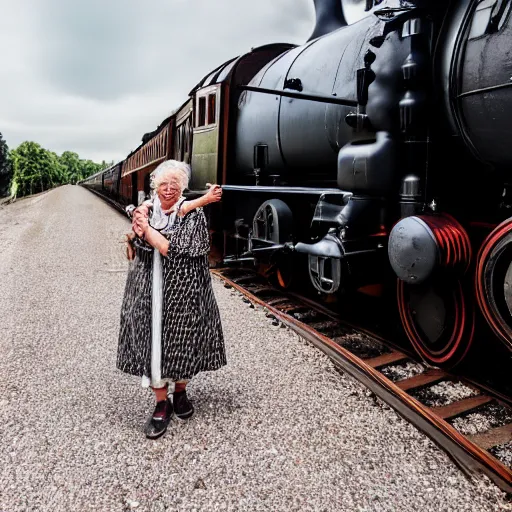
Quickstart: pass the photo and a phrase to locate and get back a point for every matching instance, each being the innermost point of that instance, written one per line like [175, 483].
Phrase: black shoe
[182, 406]
[157, 424]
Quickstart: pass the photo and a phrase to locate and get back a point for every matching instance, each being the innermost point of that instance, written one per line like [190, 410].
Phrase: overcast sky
[93, 76]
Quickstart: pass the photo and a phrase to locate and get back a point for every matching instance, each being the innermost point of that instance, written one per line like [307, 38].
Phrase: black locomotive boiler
[378, 148]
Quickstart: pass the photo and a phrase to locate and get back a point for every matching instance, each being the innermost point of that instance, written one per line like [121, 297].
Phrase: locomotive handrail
[301, 96]
[483, 89]
[284, 190]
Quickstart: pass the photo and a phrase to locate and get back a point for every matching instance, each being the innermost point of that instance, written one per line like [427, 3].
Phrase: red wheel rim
[493, 263]
[448, 339]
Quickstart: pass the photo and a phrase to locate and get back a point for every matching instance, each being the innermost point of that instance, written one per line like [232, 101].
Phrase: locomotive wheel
[273, 224]
[494, 281]
[284, 272]
[437, 319]
[508, 288]
[280, 273]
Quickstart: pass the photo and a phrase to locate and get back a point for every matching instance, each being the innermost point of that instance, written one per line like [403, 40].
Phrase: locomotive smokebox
[420, 244]
[413, 251]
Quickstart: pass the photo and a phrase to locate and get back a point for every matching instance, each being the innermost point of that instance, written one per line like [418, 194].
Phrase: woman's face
[169, 189]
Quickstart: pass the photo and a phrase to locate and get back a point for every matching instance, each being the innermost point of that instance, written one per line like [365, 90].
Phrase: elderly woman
[170, 324]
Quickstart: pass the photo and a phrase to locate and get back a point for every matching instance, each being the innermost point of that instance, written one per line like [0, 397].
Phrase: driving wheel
[438, 319]
[494, 281]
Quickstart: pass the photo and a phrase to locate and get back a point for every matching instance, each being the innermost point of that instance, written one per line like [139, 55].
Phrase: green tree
[5, 168]
[89, 167]
[72, 167]
[35, 169]
[59, 176]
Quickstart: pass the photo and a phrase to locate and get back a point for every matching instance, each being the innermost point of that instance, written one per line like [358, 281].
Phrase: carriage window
[212, 108]
[188, 140]
[180, 143]
[201, 114]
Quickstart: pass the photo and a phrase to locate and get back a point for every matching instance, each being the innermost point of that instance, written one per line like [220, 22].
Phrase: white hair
[180, 169]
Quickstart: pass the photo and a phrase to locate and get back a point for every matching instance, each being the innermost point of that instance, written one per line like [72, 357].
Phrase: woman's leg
[159, 420]
[180, 386]
[160, 393]
[182, 406]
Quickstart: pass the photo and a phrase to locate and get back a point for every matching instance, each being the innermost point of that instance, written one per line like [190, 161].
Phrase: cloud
[93, 77]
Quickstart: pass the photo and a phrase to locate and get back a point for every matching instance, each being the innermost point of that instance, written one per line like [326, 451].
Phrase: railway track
[470, 422]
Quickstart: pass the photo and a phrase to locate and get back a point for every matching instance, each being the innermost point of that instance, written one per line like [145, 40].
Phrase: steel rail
[468, 456]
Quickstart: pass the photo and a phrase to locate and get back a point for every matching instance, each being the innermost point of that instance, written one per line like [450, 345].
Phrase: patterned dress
[191, 331]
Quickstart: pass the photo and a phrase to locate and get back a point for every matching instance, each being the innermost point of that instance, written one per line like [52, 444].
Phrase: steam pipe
[329, 17]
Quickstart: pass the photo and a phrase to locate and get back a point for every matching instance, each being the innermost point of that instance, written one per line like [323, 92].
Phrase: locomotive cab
[206, 148]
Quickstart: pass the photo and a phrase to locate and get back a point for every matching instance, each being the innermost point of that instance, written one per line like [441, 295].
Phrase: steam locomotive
[378, 148]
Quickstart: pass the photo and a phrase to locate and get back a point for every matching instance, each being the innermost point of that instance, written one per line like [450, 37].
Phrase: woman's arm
[137, 214]
[154, 238]
[213, 195]
[159, 241]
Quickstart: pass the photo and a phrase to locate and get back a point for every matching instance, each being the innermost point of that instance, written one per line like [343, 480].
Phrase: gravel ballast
[279, 428]
[403, 371]
[486, 417]
[503, 453]
[444, 393]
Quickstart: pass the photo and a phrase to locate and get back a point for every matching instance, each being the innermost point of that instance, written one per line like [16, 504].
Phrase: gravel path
[277, 429]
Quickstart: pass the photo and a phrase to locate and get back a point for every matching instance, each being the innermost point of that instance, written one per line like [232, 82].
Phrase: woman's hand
[137, 229]
[140, 222]
[214, 194]
[143, 209]
[141, 225]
